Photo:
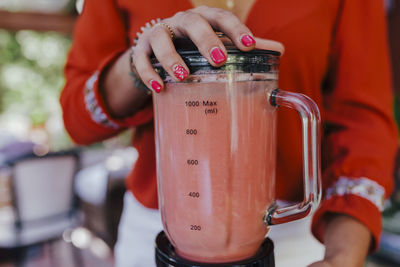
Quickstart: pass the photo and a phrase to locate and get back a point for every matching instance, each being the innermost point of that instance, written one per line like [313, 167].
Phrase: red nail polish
[247, 40]
[217, 55]
[180, 72]
[155, 85]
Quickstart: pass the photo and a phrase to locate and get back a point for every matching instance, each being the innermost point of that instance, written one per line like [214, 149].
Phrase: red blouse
[336, 53]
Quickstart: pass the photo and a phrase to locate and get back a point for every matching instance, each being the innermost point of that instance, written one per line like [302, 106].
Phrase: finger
[269, 45]
[164, 50]
[197, 28]
[229, 24]
[145, 69]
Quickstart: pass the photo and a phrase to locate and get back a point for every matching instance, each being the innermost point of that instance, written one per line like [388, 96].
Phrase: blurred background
[72, 220]
[59, 204]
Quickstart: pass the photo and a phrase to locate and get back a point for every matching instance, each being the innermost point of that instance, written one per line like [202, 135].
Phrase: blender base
[166, 256]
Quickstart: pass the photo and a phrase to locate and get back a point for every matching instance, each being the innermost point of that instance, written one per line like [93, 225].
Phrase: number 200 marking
[195, 227]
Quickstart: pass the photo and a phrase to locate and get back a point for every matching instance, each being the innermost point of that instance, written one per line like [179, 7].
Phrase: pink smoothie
[215, 167]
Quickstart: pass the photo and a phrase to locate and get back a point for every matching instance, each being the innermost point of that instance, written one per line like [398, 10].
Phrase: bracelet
[147, 26]
[362, 187]
[137, 82]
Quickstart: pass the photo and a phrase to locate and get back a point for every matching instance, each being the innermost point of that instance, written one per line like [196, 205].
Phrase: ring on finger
[168, 27]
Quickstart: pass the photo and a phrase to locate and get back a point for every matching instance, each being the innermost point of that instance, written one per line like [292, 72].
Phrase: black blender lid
[255, 61]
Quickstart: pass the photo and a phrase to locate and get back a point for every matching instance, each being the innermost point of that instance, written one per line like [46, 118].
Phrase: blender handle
[310, 118]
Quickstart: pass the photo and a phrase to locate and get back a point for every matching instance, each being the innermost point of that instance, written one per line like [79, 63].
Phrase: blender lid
[254, 61]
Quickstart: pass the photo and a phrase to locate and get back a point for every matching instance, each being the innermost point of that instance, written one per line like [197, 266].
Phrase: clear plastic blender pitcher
[216, 147]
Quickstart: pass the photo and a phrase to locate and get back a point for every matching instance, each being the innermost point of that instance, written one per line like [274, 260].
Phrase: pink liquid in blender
[216, 167]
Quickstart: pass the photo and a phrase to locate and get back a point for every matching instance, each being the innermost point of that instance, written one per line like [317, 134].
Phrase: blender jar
[216, 144]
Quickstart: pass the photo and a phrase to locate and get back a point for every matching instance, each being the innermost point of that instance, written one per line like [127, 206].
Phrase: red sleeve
[99, 38]
[361, 135]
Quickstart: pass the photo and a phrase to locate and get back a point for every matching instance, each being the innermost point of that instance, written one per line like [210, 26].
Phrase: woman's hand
[197, 24]
[347, 242]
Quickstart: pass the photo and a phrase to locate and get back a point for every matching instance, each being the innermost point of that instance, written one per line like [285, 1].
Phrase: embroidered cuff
[362, 187]
[92, 105]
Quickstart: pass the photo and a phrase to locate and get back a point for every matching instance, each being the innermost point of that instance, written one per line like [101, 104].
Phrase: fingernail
[217, 55]
[155, 85]
[180, 72]
[247, 40]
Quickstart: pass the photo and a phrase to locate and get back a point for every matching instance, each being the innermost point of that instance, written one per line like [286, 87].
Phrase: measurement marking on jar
[209, 103]
[194, 194]
[210, 111]
[195, 227]
[193, 103]
[192, 162]
[191, 131]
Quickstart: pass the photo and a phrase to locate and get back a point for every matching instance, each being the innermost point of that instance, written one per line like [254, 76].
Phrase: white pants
[137, 232]
[139, 226]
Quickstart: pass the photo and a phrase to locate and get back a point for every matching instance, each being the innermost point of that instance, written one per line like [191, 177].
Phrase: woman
[336, 53]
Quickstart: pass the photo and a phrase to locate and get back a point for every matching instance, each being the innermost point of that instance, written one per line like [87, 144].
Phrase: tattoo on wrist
[137, 82]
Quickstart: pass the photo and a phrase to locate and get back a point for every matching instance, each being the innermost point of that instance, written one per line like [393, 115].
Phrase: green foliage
[31, 77]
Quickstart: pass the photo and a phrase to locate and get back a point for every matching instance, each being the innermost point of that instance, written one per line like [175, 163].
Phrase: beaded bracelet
[147, 26]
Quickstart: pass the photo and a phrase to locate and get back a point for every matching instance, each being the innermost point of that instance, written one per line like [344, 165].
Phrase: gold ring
[168, 27]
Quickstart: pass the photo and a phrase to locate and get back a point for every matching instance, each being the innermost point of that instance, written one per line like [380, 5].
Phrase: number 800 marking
[191, 131]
